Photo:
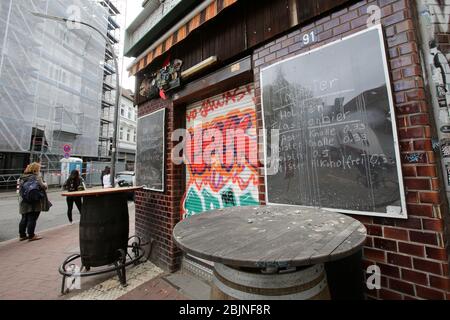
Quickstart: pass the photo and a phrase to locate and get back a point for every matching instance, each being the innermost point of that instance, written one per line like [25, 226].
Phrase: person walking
[107, 178]
[33, 200]
[73, 184]
[103, 174]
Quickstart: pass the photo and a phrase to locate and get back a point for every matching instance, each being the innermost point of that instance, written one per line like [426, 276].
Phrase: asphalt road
[10, 217]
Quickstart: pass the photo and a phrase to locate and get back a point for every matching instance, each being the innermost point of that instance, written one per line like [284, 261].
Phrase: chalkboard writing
[334, 113]
[150, 151]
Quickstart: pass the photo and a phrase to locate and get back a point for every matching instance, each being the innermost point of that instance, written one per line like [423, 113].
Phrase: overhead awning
[164, 44]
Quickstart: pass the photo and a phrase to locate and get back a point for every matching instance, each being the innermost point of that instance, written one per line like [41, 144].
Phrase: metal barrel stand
[133, 256]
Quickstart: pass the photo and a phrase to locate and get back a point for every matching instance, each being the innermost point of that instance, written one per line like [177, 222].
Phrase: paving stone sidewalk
[29, 271]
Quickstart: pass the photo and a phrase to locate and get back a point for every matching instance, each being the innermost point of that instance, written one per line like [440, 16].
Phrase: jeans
[70, 201]
[28, 224]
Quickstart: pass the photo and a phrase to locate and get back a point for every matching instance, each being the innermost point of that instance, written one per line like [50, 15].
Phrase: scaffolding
[51, 78]
[109, 82]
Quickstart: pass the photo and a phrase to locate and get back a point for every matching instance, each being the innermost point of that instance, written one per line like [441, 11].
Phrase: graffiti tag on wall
[230, 177]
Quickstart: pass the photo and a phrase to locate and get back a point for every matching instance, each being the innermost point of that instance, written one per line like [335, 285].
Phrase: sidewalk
[29, 271]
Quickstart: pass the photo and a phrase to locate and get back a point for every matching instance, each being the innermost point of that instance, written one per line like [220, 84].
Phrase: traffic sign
[66, 155]
[67, 148]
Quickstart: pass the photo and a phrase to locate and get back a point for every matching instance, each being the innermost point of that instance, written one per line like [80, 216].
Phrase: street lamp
[118, 89]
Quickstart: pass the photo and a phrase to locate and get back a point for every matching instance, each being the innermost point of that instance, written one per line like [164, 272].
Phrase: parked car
[126, 179]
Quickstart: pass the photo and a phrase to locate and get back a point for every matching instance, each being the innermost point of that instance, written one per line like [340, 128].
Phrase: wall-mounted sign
[150, 151]
[338, 145]
[162, 81]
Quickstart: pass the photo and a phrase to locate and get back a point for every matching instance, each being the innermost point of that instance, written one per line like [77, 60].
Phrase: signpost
[67, 148]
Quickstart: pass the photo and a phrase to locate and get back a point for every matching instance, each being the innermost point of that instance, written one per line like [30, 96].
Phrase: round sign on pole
[66, 155]
[67, 148]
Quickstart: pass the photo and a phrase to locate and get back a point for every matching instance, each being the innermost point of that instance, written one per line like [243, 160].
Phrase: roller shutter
[220, 182]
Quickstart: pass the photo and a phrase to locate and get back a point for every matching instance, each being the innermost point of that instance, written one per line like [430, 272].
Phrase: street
[10, 217]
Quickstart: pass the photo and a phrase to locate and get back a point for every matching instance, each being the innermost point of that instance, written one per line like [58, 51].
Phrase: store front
[355, 133]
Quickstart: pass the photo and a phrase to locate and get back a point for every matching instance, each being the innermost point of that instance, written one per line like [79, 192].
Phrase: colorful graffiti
[230, 176]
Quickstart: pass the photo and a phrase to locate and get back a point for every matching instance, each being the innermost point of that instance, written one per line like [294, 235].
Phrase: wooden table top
[272, 236]
[100, 192]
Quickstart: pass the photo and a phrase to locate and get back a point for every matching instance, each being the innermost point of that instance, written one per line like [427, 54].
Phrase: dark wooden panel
[307, 9]
[326, 5]
[276, 18]
[255, 23]
[138, 99]
[190, 52]
[266, 19]
[239, 28]
[219, 81]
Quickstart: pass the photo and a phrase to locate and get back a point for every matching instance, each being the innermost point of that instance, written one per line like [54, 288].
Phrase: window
[122, 111]
[121, 133]
[134, 136]
[129, 135]
[129, 114]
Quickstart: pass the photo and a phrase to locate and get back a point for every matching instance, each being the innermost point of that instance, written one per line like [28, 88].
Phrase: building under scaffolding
[56, 80]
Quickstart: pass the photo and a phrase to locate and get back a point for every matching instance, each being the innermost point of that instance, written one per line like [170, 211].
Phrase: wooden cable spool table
[270, 252]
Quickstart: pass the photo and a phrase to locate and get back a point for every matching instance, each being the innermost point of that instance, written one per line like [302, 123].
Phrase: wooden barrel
[306, 284]
[104, 227]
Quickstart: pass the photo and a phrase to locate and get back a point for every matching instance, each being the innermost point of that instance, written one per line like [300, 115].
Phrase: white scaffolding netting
[51, 75]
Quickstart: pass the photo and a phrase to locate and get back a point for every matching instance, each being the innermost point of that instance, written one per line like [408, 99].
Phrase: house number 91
[309, 38]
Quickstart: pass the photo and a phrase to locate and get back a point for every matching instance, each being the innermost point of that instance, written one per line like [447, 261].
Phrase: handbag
[82, 186]
[46, 205]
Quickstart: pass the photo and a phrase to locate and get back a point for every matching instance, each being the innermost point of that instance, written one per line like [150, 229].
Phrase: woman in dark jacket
[30, 211]
[73, 184]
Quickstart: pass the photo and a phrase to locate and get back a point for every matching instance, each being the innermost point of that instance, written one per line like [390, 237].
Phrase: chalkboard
[150, 151]
[337, 139]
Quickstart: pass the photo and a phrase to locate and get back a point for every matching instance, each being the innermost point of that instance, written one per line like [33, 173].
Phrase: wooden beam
[229, 77]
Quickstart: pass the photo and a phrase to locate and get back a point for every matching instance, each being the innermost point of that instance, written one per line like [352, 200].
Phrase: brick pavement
[29, 270]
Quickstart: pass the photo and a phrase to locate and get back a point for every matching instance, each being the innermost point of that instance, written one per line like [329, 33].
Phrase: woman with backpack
[33, 200]
[73, 184]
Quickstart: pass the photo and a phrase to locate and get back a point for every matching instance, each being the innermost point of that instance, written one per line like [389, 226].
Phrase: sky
[129, 10]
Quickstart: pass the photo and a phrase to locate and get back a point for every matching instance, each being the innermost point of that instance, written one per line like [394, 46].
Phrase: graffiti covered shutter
[222, 168]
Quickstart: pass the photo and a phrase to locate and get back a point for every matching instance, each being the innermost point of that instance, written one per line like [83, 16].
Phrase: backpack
[31, 191]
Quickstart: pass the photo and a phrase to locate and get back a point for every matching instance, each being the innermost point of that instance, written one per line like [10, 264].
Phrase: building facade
[228, 50]
[56, 99]
[127, 129]
[109, 89]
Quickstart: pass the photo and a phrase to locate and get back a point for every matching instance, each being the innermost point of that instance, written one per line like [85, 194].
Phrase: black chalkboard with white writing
[150, 151]
[337, 145]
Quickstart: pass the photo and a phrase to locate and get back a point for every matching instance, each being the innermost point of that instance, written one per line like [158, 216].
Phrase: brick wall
[157, 213]
[411, 253]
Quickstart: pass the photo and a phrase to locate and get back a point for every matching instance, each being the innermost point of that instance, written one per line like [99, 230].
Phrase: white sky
[129, 10]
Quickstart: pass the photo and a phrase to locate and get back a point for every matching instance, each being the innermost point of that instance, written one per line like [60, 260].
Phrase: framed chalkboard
[331, 137]
[150, 153]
